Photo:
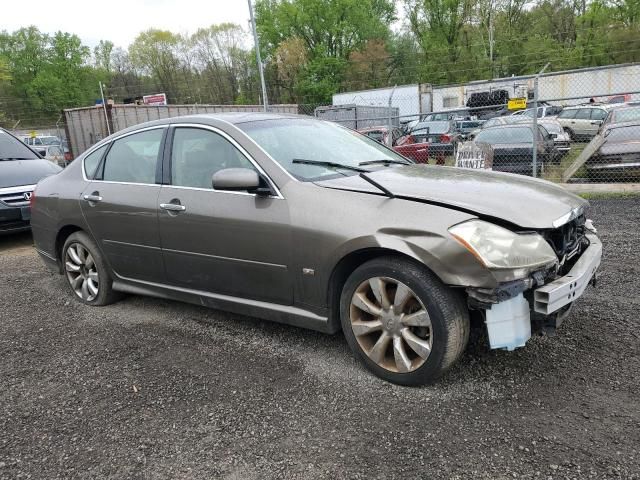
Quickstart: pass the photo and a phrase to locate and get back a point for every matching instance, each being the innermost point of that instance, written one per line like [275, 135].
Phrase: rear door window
[134, 158]
[583, 114]
[598, 114]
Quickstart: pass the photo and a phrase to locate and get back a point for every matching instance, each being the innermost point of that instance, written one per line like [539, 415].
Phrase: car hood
[14, 173]
[522, 201]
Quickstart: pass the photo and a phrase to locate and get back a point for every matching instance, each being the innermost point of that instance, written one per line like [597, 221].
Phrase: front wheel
[402, 322]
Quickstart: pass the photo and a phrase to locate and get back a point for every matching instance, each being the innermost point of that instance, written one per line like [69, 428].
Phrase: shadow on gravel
[16, 242]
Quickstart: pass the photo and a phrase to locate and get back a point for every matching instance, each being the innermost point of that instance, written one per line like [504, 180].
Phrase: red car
[419, 152]
[403, 144]
[435, 139]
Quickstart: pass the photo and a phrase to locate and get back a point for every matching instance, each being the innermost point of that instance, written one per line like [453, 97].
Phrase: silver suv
[583, 121]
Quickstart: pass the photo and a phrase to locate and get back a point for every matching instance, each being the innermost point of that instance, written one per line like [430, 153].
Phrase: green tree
[154, 52]
[329, 31]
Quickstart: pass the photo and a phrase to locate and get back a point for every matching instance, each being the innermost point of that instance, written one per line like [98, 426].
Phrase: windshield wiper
[322, 163]
[362, 171]
[16, 158]
[386, 161]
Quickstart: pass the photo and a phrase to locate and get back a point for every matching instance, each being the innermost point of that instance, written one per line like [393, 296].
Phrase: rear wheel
[86, 272]
[402, 322]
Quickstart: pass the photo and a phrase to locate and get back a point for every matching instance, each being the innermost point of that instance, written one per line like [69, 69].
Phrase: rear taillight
[67, 156]
[445, 139]
[32, 200]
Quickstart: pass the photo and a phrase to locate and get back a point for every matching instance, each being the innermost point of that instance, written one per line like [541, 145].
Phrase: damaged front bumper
[552, 297]
[541, 297]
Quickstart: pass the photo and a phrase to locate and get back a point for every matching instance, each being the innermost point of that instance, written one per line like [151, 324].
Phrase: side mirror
[239, 179]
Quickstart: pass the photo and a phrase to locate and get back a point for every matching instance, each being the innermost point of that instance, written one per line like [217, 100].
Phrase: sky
[121, 20]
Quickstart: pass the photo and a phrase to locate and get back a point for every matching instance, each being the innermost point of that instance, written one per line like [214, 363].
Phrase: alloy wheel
[82, 272]
[391, 324]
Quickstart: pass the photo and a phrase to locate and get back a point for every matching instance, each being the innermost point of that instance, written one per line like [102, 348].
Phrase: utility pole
[390, 124]
[491, 38]
[258, 58]
[535, 120]
[104, 107]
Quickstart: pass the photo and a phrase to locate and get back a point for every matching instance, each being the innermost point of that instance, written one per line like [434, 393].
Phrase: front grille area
[568, 241]
[15, 196]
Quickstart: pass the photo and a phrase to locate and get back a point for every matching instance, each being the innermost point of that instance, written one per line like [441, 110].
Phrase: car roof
[592, 105]
[510, 125]
[234, 118]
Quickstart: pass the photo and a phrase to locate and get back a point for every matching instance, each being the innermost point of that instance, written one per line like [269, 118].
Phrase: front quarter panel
[329, 224]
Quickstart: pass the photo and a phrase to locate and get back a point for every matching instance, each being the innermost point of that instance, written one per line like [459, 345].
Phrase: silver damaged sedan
[304, 222]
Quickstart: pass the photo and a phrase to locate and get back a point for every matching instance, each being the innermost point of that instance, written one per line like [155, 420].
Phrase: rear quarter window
[92, 160]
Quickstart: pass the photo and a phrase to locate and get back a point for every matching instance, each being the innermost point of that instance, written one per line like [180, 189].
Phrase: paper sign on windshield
[474, 155]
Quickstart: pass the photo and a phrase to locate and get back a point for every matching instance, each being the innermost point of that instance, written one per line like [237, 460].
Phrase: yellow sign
[33, 134]
[517, 103]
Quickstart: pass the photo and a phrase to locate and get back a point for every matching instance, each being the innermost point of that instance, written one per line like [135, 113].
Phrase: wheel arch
[346, 266]
[63, 233]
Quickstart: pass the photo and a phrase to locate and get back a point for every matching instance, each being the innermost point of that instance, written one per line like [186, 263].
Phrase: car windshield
[50, 140]
[623, 134]
[506, 135]
[626, 114]
[289, 139]
[432, 127]
[11, 149]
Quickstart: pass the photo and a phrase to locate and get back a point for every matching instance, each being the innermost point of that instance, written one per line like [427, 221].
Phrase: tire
[83, 264]
[572, 135]
[445, 327]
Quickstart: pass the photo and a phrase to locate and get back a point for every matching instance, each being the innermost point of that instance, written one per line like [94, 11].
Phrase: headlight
[498, 248]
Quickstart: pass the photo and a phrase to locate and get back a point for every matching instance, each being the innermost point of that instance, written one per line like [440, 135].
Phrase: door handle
[93, 198]
[173, 207]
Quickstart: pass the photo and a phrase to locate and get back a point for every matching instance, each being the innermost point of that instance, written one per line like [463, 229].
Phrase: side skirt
[286, 314]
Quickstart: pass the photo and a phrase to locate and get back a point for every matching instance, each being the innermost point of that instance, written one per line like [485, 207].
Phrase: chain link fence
[574, 126]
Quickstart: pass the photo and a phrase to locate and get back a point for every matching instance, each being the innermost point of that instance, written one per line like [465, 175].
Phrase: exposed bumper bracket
[564, 290]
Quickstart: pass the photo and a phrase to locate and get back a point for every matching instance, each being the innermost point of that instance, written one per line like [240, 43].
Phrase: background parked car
[493, 122]
[561, 139]
[53, 153]
[21, 167]
[544, 111]
[624, 113]
[381, 134]
[464, 128]
[513, 147]
[616, 154]
[440, 136]
[39, 140]
[583, 122]
[457, 114]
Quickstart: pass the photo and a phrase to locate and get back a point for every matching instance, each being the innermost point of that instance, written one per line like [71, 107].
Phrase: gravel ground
[155, 389]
